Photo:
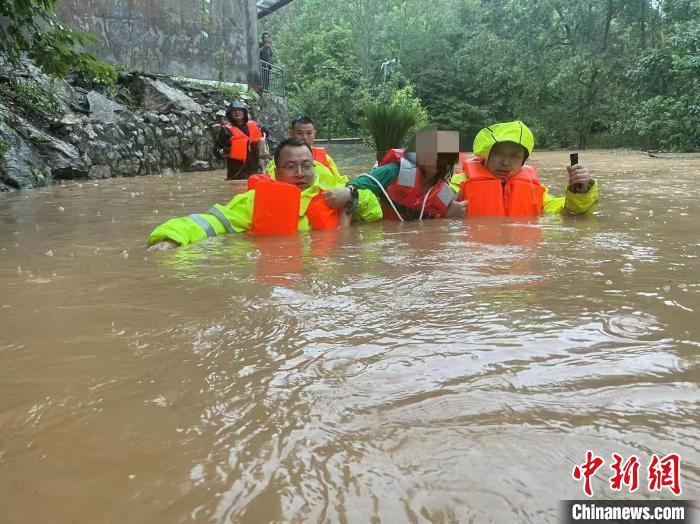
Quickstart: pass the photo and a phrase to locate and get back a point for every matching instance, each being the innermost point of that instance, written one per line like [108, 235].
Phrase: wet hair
[446, 164]
[303, 119]
[290, 142]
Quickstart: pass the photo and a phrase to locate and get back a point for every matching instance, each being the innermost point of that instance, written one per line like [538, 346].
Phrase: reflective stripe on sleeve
[213, 210]
[203, 223]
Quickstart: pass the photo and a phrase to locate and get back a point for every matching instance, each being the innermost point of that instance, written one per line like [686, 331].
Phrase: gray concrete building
[205, 39]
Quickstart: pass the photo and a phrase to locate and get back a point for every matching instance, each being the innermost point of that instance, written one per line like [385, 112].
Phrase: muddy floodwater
[444, 371]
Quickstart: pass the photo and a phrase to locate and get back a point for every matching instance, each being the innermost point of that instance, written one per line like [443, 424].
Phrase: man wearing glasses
[295, 166]
[303, 129]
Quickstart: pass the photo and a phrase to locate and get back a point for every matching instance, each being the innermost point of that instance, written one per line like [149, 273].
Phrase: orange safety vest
[406, 189]
[276, 209]
[320, 156]
[240, 143]
[520, 196]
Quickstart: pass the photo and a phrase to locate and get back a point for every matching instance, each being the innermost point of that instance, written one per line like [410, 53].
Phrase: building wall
[172, 37]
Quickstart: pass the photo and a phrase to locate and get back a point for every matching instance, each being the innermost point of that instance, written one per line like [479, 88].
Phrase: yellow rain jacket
[237, 216]
[518, 133]
[572, 203]
[333, 168]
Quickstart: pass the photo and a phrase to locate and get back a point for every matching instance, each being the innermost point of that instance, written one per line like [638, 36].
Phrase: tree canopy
[580, 73]
[30, 27]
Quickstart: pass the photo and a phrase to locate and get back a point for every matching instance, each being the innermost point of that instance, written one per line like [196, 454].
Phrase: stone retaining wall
[168, 127]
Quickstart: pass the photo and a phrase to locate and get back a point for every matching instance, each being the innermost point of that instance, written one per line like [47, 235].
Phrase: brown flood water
[448, 371]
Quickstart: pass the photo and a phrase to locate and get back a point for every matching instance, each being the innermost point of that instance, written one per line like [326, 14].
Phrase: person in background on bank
[265, 50]
[303, 129]
[498, 183]
[238, 143]
[296, 167]
[412, 185]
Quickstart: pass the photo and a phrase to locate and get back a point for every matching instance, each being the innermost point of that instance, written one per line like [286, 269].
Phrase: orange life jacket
[240, 143]
[321, 215]
[463, 159]
[257, 177]
[520, 196]
[406, 189]
[320, 156]
[276, 209]
[392, 156]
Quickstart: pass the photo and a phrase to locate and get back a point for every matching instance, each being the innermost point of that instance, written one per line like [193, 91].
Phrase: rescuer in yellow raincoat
[498, 183]
[295, 166]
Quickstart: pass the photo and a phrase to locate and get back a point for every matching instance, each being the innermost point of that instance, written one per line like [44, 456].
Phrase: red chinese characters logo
[587, 470]
[625, 474]
[665, 473]
[662, 473]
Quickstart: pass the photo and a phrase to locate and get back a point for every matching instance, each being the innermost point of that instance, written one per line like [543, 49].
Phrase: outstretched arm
[236, 216]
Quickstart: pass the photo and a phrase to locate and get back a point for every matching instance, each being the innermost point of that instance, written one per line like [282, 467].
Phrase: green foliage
[124, 95]
[206, 13]
[664, 84]
[30, 26]
[324, 76]
[221, 91]
[233, 92]
[4, 148]
[582, 72]
[388, 125]
[29, 98]
[397, 92]
[396, 99]
[667, 123]
[227, 89]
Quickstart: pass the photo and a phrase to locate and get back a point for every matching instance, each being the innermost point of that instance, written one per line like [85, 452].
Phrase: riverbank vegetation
[30, 28]
[591, 73]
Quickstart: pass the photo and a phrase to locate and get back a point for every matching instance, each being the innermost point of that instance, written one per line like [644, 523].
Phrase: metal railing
[272, 78]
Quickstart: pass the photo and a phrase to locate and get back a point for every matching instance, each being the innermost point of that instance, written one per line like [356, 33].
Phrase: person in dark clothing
[265, 49]
[238, 143]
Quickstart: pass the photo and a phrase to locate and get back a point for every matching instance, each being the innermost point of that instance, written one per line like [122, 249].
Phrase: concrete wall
[172, 37]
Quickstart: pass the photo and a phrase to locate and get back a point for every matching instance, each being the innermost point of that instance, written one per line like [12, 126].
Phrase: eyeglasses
[304, 168]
